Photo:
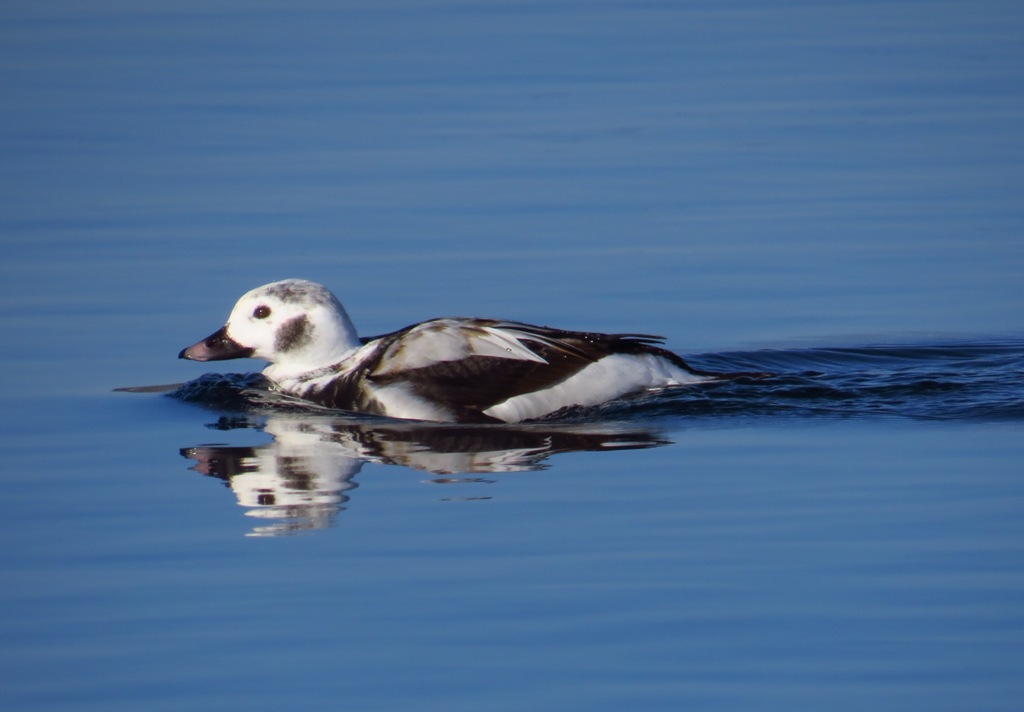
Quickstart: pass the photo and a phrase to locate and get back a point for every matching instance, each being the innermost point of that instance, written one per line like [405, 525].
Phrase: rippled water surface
[300, 476]
[826, 193]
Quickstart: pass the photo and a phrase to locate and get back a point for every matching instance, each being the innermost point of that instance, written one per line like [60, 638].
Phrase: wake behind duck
[463, 370]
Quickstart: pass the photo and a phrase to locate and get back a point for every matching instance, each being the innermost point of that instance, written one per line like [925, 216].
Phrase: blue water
[300, 479]
[830, 193]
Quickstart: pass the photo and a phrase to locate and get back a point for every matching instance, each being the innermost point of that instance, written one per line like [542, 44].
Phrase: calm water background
[736, 176]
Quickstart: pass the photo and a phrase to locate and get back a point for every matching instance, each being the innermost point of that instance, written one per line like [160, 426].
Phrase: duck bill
[218, 346]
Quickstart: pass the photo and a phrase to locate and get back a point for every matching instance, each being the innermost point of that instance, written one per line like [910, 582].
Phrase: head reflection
[299, 480]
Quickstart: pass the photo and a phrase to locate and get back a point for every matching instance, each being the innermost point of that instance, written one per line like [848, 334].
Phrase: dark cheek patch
[293, 334]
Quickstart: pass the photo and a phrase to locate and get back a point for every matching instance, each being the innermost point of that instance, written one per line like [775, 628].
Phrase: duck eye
[261, 312]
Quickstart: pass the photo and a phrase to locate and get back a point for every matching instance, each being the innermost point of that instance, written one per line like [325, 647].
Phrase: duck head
[294, 324]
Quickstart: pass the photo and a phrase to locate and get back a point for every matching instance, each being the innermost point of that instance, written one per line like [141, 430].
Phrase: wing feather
[476, 363]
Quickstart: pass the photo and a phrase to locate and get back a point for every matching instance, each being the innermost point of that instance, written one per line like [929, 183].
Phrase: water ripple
[954, 381]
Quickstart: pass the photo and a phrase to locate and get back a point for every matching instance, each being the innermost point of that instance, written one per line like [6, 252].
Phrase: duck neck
[332, 341]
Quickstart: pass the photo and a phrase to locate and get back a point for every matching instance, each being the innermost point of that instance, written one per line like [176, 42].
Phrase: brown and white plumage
[451, 369]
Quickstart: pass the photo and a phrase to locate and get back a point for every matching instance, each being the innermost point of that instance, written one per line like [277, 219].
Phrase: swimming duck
[451, 369]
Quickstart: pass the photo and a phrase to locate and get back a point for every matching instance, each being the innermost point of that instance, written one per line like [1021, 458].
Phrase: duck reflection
[299, 481]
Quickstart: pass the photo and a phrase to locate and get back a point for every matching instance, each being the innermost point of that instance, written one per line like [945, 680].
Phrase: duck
[452, 369]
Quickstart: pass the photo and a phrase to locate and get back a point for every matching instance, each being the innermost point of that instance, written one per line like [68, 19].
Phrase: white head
[294, 324]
